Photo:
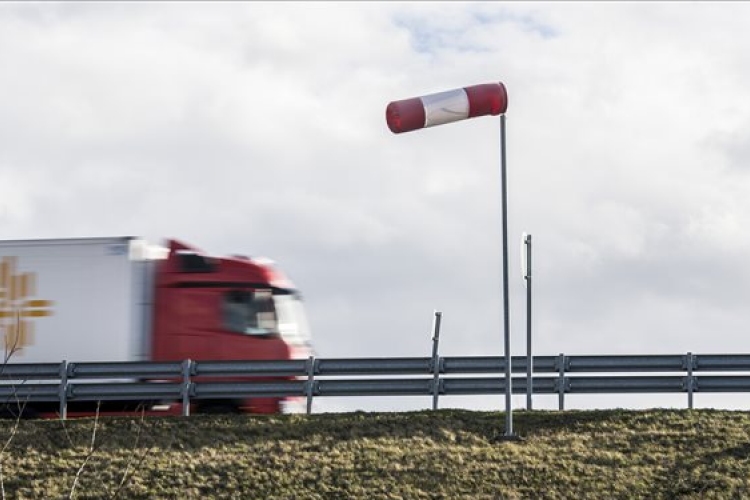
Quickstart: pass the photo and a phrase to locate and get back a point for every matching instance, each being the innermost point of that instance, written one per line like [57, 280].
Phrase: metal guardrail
[189, 381]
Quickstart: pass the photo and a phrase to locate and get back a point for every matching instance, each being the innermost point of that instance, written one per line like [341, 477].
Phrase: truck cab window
[291, 318]
[250, 312]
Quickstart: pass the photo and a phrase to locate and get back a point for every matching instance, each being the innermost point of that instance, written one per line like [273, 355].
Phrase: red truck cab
[229, 308]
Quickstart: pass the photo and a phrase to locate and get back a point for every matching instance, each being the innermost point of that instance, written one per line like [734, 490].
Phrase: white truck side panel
[97, 289]
[143, 307]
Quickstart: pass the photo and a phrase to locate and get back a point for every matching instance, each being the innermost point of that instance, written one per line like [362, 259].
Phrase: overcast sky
[259, 128]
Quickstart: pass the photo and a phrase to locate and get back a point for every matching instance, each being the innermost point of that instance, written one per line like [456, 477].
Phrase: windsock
[446, 107]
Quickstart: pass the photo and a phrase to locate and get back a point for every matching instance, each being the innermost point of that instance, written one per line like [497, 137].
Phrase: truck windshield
[265, 313]
[291, 318]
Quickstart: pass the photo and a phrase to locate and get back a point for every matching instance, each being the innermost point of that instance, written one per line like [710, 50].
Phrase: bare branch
[127, 475]
[21, 408]
[5, 447]
[89, 454]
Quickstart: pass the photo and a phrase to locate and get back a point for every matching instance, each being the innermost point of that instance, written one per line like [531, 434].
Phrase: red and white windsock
[446, 107]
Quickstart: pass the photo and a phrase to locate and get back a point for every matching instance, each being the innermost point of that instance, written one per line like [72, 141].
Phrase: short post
[187, 367]
[435, 359]
[690, 380]
[529, 357]
[63, 394]
[561, 382]
[310, 381]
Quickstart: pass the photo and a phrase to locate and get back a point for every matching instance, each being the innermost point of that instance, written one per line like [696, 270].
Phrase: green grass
[661, 454]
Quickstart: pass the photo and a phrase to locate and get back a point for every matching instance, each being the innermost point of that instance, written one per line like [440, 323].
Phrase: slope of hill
[659, 454]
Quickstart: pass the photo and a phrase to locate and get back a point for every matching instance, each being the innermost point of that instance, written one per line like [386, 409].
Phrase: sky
[259, 128]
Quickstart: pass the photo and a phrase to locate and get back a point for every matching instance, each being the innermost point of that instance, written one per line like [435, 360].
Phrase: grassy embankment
[446, 454]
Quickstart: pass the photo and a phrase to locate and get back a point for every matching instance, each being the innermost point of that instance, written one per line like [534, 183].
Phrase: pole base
[505, 438]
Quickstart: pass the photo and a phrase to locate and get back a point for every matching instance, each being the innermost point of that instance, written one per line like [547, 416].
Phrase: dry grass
[662, 454]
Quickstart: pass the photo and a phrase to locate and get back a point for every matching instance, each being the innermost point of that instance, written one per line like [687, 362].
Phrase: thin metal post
[561, 382]
[310, 382]
[690, 381]
[187, 366]
[506, 299]
[63, 390]
[529, 357]
[435, 359]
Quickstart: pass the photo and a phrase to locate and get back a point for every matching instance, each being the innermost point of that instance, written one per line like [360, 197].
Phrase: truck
[109, 299]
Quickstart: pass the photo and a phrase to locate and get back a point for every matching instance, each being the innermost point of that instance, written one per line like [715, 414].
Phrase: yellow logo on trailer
[17, 308]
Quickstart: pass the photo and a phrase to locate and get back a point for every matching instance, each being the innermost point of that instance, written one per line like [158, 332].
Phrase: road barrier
[191, 381]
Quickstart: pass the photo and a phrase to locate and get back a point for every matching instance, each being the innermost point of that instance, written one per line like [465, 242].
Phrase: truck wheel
[13, 412]
[218, 409]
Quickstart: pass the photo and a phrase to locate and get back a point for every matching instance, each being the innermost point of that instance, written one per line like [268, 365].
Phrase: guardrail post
[187, 366]
[561, 382]
[689, 360]
[310, 382]
[436, 359]
[63, 390]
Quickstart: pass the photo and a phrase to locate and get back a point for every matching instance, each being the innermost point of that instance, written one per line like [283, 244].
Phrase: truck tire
[13, 411]
[221, 408]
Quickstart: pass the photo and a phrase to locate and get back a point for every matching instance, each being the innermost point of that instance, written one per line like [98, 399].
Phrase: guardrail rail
[434, 376]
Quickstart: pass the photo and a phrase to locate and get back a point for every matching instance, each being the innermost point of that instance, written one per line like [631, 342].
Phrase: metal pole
[310, 381]
[187, 368]
[64, 390]
[506, 301]
[529, 357]
[435, 359]
[561, 382]
[690, 380]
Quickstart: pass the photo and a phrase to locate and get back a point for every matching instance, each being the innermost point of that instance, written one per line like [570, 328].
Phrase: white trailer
[86, 299]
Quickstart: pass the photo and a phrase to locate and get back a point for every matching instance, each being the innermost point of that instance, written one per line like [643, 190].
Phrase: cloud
[258, 128]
